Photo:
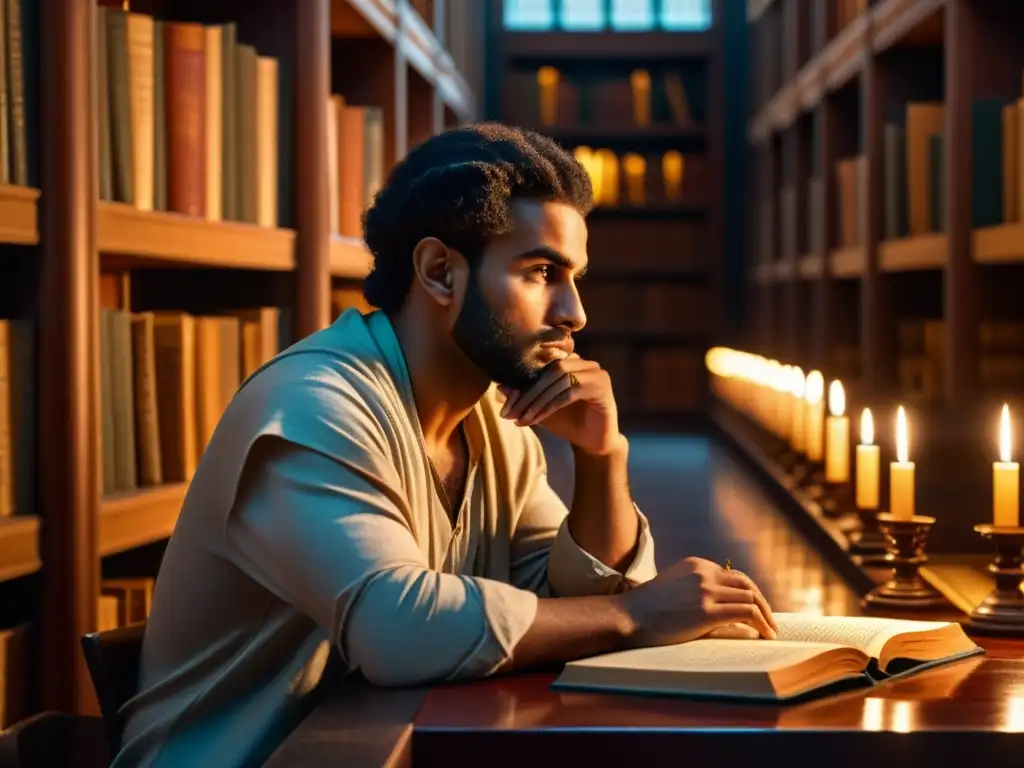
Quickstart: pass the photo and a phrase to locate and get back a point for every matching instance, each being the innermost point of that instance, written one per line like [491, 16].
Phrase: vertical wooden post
[877, 365]
[68, 348]
[312, 217]
[961, 305]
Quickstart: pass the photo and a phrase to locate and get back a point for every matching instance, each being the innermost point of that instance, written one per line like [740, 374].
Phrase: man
[376, 493]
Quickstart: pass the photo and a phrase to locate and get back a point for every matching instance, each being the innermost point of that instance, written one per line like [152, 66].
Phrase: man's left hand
[574, 400]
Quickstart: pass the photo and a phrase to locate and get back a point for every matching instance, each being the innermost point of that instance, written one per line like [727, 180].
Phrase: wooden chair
[55, 740]
[113, 660]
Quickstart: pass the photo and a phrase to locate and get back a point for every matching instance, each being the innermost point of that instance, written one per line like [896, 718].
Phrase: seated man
[375, 494]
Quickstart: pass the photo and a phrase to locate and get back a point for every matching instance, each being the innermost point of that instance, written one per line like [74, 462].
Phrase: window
[632, 15]
[618, 15]
[529, 14]
[582, 15]
[685, 15]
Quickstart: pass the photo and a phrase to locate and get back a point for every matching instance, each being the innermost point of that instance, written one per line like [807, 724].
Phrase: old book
[16, 94]
[174, 344]
[159, 118]
[266, 141]
[811, 655]
[352, 183]
[147, 417]
[246, 65]
[185, 111]
[214, 122]
[922, 121]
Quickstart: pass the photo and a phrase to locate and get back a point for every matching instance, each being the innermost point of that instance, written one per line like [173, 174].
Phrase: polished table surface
[699, 502]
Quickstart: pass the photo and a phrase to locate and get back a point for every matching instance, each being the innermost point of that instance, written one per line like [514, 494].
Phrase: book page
[713, 656]
[866, 633]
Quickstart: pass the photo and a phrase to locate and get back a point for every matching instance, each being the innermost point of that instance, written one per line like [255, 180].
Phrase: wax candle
[798, 436]
[837, 431]
[1005, 479]
[868, 464]
[784, 398]
[901, 472]
[814, 418]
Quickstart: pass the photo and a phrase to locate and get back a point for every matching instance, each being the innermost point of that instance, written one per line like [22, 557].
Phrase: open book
[812, 655]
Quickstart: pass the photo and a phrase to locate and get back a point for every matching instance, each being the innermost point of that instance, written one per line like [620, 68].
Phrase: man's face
[521, 304]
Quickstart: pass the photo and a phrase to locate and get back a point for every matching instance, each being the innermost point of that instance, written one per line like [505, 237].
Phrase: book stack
[188, 119]
[167, 378]
[355, 149]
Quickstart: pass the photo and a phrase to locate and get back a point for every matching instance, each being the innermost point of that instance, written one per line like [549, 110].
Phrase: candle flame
[867, 427]
[836, 398]
[902, 437]
[798, 381]
[1004, 434]
[815, 389]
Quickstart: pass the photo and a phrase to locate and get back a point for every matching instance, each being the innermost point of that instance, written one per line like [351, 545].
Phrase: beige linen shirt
[314, 529]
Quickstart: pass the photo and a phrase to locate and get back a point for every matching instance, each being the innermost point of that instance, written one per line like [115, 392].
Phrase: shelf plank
[19, 546]
[912, 254]
[164, 239]
[350, 258]
[1002, 244]
[843, 57]
[136, 518]
[895, 21]
[848, 262]
[19, 215]
[557, 46]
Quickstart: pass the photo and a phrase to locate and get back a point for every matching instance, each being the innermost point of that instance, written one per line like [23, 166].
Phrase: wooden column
[68, 350]
[961, 306]
[877, 363]
[312, 217]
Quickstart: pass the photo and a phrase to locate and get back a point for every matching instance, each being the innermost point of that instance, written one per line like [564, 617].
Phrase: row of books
[645, 307]
[550, 97]
[921, 353]
[166, 379]
[656, 378]
[636, 179]
[355, 171]
[188, 119]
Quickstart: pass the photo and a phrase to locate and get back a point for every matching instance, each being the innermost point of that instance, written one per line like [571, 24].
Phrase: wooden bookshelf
[158, 257]
[653, 293]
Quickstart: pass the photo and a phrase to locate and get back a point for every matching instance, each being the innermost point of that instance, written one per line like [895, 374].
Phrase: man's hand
[574, 400]
[693, 598]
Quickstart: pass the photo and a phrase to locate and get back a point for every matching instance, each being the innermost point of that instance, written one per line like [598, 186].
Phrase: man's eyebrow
[555, 257]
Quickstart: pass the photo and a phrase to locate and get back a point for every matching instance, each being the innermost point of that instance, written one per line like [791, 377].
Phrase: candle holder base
[812, 481]
[836, 500]
[1002, 612]
[905, 542]
[866, 542]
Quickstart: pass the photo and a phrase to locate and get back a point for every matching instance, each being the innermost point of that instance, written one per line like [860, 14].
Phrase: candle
[901, 473]
[868, 464]
[837, 431]
[798, 438]
[815, 415]
[1005, 480]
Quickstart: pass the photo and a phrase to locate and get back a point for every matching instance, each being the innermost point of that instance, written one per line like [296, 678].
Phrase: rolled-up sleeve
[328, 537]
[547, 560]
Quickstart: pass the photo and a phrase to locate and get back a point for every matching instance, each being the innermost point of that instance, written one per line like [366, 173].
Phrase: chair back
[113, 660]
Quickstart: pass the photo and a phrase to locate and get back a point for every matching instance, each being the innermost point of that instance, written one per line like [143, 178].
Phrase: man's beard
[491, 343]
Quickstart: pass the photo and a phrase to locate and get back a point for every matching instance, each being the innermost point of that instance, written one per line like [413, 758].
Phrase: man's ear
[437, 268]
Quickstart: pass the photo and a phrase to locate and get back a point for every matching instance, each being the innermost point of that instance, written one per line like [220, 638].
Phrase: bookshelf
[96, 224]
[887, 145]
[640, 99]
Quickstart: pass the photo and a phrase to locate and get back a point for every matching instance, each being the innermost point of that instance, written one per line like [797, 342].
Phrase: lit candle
[798, 438]
[784, 400]
[868, 464]
[901, 473]
[815, 416]
[1005, 480]
[837, 430]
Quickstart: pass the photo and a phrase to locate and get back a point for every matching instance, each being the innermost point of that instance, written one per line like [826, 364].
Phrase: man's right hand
[693, 598]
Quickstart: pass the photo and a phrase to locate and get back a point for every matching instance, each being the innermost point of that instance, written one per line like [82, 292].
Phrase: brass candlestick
[1002, 612]
[905, 542]
[866, 542]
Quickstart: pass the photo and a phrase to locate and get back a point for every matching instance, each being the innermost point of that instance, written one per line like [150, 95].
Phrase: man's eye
[543, 272]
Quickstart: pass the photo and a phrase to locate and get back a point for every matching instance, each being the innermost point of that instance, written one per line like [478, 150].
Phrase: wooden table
[975, 706]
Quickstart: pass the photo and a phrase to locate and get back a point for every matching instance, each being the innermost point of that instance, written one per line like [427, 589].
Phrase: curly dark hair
[457, 186]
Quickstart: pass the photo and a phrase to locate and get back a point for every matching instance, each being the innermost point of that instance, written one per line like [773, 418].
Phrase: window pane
[528, 14]
[582, 14]
[632, 15]
[685, 15]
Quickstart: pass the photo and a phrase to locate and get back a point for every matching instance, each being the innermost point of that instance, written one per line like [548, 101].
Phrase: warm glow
[902, 437]
[867, 427]
[815, 387]
[836, 399]
[1004, 434]
[797, 380]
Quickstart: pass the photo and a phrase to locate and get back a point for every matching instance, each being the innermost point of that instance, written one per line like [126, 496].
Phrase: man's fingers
[748, 613]
[545, 399]
[732, 595]
[551, 376]
[740, 580]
